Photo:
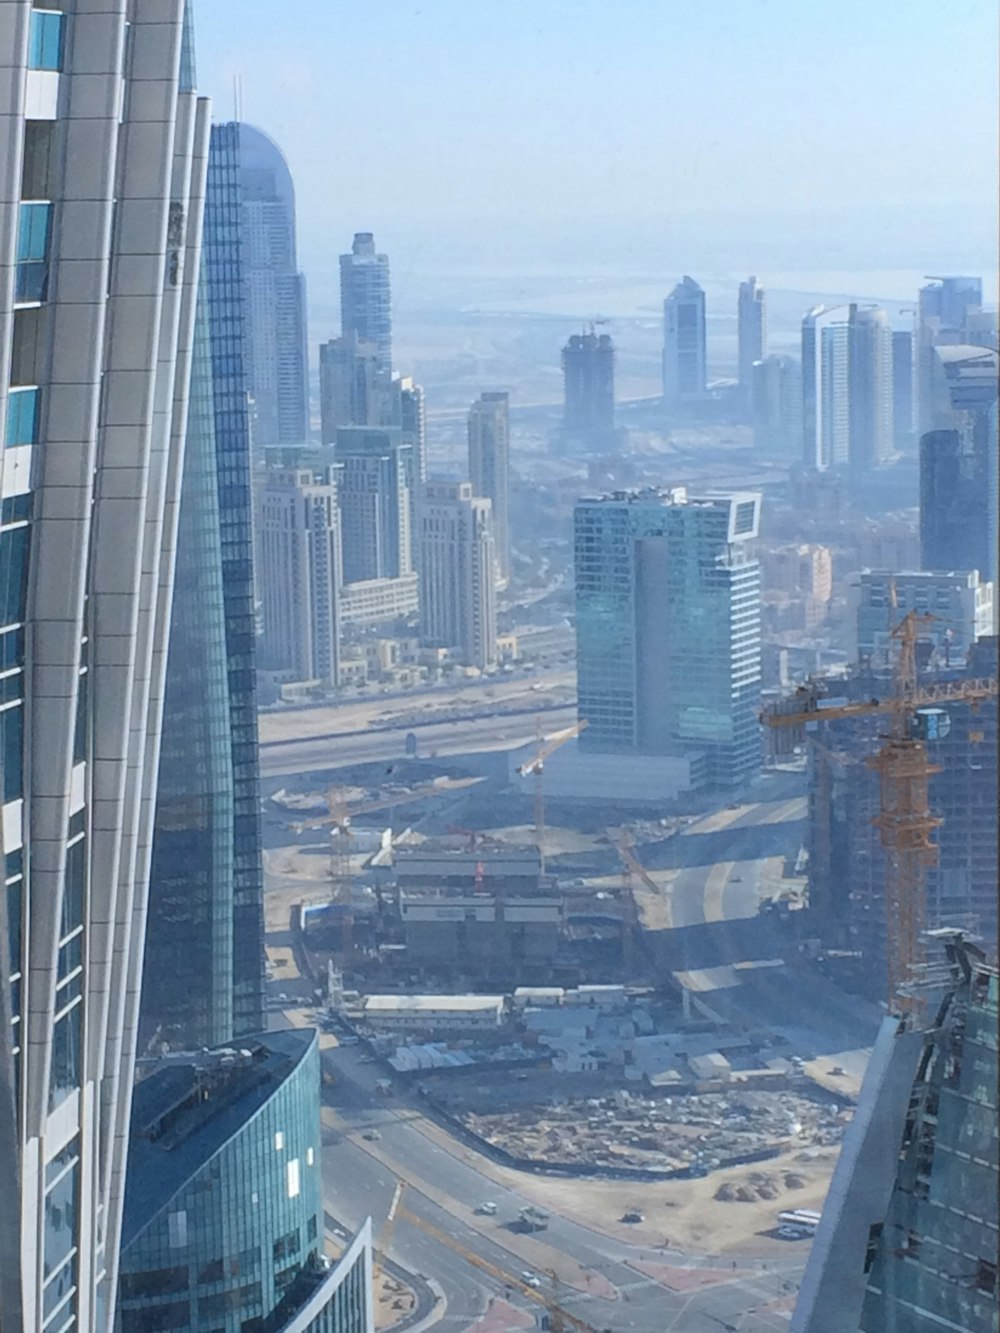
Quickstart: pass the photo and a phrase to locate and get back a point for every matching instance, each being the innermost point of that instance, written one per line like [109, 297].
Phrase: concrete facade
[457, 572]
[588, 366]
[300, 574]
[103, 153]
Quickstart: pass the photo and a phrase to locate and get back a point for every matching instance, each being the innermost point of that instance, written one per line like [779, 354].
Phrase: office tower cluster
[132, 916]
[668, 631]
[347, 549]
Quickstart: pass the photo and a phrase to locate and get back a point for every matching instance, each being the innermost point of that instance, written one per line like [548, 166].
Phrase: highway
[444, 1187]
[466, 736]
[744, 965]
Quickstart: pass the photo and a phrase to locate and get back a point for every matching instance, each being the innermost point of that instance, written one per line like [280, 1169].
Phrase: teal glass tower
[668, 628]
[203, 973]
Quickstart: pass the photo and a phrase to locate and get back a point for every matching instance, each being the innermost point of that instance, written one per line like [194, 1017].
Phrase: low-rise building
[433, 1012]
[481, 933]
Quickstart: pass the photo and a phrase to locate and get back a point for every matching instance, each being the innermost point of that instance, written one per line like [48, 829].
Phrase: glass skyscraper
[909, 1233]
[668, 628]
[103, 148]
[224, 1225]
[203, 976]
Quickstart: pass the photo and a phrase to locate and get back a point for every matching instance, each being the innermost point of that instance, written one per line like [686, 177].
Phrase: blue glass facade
[223, 1225]
[203, 977]
[668, 628]
[932, 1263]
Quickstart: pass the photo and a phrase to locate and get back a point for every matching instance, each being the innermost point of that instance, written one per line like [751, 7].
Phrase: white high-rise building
[752, 332]
[457, 572]
[826, 425]
[103, 151]
[847, 388]
[489, 469]
[870, 386]
[374, 469]
[298, 538]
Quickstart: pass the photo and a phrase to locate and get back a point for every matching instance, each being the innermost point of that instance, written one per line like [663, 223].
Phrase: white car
[487, 1210]
[530, 1280]
[792, 1233]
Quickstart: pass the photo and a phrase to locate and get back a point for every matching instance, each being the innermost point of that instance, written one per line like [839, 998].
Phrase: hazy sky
[828, 133]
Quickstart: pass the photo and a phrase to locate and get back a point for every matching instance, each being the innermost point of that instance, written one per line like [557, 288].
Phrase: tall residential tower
[588, 365]
[365, 307]
[752, 333]
[458, 572]
[489, 469]
[103, 148]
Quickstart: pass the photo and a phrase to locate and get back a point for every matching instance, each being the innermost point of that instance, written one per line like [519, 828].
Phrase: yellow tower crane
[536, 767]
[904, 821]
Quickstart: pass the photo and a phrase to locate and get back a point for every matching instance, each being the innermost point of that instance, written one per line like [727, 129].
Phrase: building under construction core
[847, 862]
[514, 937]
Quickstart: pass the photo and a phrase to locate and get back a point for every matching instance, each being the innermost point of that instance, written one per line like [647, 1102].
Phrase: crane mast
[905, 822]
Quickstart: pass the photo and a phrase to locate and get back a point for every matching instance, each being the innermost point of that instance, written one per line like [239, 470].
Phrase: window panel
[22, 417]
[13, 574]
[11, 752]
[45, 41]
[66, 1056]
[60, 1220]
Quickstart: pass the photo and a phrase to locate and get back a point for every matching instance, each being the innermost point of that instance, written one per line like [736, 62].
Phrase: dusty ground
[683, 1213]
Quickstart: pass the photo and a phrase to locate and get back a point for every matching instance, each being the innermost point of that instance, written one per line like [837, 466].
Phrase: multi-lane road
[497, 713]
[472, 1260]
[710, 933]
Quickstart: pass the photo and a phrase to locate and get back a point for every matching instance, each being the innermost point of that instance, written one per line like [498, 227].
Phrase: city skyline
[534, 712]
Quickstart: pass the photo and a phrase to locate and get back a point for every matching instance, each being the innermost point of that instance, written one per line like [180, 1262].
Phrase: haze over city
[499, 625]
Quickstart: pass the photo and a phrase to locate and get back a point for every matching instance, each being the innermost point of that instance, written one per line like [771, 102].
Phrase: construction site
[602, 995]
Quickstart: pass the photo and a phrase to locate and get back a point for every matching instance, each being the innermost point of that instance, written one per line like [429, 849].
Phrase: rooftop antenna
[238, 97]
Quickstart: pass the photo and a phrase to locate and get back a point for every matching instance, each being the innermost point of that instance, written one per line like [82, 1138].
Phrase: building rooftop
[191, 1106]
[387, 1004]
